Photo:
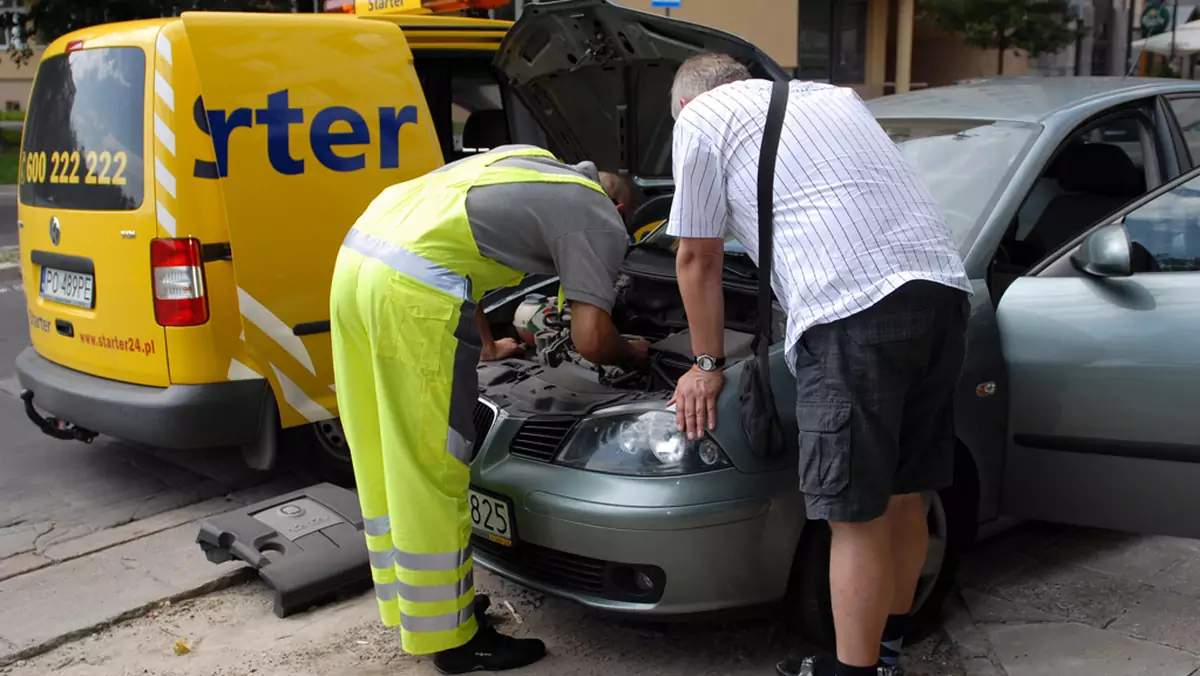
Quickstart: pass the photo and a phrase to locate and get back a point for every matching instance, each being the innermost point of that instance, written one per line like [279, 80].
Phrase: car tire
[808, 606]
[322, 449]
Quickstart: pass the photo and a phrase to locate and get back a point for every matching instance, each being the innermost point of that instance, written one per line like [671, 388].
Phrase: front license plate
[71, 288]
[491, 517]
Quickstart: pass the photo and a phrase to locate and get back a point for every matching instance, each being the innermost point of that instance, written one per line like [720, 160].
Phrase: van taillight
[178, 268]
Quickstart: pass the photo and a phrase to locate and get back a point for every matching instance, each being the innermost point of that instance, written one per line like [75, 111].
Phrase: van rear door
[311, 117]
[87, 205]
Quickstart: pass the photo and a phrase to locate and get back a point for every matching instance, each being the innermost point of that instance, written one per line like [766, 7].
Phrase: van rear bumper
[178, 416]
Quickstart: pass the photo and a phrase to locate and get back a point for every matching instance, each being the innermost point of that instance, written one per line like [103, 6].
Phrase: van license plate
[71, 288]
[491, 517]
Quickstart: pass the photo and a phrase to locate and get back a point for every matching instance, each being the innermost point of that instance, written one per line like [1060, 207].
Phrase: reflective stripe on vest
[408, 264]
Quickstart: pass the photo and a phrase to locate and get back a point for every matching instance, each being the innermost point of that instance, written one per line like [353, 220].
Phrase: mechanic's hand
[501, 349]
[641, 351]
[695, 401]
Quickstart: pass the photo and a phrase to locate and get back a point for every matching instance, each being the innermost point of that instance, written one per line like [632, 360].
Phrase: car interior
[1093, 174]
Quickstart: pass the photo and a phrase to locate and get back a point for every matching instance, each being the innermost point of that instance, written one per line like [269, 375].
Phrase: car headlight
[642, 443]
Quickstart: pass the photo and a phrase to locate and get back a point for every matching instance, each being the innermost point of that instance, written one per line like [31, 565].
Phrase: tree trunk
[1000, 50]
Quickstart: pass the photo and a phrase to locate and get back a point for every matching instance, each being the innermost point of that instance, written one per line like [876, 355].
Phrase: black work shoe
[482, 603]
[823, 666]
[490, 651]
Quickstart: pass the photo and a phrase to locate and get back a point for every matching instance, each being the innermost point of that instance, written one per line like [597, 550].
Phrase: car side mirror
[1105, 253]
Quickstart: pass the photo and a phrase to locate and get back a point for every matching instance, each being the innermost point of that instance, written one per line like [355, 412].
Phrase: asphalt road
[53, 490]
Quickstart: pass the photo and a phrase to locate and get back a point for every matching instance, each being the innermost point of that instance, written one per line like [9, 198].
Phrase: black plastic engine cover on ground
[307, 545]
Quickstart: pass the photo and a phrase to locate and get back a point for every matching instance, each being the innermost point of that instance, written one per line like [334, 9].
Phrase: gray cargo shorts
[875, 401]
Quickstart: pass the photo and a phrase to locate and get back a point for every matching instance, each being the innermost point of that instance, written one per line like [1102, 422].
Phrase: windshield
[964, 164]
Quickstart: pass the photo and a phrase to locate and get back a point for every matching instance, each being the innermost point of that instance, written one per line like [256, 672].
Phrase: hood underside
[597, 76]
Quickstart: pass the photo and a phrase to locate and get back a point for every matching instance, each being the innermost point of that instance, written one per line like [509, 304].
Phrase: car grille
[483, 418]
[540, 438]
[576, 573]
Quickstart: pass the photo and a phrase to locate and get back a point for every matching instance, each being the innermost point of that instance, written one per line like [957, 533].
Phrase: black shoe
[482, 603]
[490, 651]
[822, 666]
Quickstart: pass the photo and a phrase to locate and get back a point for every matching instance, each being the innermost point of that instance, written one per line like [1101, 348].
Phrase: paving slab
[1072, 592]
[1164, 617]
[987, 609]
[1073, 648]
[1141, 558]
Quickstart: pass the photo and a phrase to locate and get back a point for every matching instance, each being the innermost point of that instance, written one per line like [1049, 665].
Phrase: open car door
[1101, 348]
[310, 118]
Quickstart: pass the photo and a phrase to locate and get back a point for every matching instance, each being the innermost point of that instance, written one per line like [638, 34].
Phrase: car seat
[1099, 179]
[484, 130]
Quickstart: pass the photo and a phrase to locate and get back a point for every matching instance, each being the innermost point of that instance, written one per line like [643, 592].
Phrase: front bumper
[710, 542]
[178, 416]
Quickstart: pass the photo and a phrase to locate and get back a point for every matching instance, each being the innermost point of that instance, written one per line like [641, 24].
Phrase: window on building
[833, 41]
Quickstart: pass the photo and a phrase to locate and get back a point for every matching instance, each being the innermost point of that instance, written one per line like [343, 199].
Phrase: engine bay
[648, 306]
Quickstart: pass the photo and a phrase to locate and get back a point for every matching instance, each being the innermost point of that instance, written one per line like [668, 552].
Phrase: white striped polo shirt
[853, 222]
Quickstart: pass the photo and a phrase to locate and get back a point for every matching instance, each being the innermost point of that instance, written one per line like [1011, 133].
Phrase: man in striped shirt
[877, 302]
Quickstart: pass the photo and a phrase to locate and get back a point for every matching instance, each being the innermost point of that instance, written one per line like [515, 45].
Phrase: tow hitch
[59, 429]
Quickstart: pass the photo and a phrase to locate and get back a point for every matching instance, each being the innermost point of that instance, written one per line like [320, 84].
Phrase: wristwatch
[709, 363]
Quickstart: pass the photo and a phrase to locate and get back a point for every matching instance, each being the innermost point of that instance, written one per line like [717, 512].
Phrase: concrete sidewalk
[79, 586]
[1050, 601]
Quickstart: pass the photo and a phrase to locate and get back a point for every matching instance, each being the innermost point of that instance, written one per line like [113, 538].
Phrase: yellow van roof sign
[367, 7]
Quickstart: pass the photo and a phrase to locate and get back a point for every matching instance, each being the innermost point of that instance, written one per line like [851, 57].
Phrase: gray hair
[702, 73]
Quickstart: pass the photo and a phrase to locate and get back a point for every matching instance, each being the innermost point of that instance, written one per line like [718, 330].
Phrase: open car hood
[597, 76]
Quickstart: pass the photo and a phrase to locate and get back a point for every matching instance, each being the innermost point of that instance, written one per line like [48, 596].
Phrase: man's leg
[909, 544]
[862, 581]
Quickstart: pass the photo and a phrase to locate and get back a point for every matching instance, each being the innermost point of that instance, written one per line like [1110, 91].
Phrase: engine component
[530, 317]
[737, 345]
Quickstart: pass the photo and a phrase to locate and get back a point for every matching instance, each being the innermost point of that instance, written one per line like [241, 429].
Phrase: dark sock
[894, 633]
[847, 670]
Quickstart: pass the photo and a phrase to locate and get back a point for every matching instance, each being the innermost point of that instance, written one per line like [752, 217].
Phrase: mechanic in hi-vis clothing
[408, 333]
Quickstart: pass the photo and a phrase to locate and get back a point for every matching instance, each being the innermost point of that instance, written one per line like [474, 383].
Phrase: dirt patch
[10, 254]
[234, 633]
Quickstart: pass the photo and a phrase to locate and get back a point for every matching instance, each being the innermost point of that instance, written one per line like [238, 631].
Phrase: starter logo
[39, 323]
[336, 135]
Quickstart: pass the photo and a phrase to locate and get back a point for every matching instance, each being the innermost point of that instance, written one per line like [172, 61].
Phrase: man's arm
[597, 338]
[699, 264]
[699, 216]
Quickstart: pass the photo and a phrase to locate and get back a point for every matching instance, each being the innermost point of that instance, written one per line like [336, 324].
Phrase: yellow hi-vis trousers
[405, 350]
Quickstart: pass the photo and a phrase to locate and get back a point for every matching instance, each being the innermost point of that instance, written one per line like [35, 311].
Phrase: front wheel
[323, 450]
[950, 516]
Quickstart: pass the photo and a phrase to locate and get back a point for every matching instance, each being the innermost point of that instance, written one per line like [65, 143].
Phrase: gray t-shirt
[553, 228]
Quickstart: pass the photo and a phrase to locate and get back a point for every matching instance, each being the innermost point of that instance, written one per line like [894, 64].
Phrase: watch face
[706, 363]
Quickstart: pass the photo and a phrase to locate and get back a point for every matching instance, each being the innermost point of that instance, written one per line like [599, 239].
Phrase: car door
[1104, 372]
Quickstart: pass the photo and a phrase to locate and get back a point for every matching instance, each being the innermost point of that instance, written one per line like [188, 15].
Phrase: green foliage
[1033, 26]
[47, 20]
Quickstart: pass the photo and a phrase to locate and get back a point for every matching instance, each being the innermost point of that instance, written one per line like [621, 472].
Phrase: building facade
[875, 46]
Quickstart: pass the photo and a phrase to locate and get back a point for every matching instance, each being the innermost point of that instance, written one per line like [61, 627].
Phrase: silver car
[1077, 209]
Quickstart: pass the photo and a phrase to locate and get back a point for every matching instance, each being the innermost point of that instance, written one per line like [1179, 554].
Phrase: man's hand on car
[641, 351]
[695, 401]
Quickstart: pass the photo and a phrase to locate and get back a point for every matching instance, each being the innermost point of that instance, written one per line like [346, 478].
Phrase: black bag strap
[766, 217]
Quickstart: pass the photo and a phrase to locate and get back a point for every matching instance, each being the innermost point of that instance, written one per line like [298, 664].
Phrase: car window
[466, 104]
[1187, 114]
[83, 137]
[1165, 232]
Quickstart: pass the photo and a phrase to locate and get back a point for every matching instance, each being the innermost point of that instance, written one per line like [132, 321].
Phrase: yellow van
[185, 184]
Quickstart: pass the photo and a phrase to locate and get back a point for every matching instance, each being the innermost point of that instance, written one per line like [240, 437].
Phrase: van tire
[808, 608]
[322, 449]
